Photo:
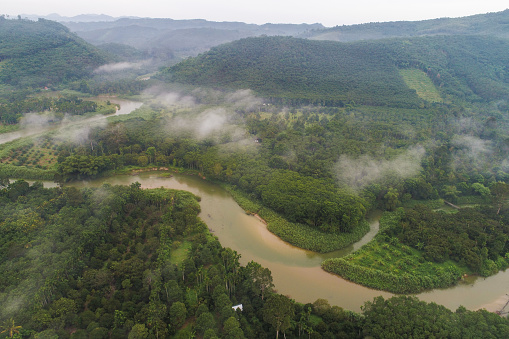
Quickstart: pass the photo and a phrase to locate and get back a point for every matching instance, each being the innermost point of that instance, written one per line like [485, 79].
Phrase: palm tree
[10, 328]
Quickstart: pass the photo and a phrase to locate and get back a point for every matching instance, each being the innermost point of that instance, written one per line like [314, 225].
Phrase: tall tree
[261, 278]
[278, 311]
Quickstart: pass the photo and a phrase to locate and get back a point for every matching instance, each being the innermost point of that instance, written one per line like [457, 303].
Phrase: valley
[348, 151]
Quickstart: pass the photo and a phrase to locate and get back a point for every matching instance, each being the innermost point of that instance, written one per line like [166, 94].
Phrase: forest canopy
[330, 73]
[44, 53]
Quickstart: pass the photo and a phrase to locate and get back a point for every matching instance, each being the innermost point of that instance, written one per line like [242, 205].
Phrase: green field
[421, 83]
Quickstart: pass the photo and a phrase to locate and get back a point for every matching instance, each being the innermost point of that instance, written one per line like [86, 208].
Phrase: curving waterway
[297, 272]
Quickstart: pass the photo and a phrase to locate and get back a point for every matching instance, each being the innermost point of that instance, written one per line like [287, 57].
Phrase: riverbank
[395, 268]
[389, 264]
[299, 235]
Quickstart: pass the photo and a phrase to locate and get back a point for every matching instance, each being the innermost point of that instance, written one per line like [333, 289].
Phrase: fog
[207, 114]
[169, 98]
[472, 153]
[36, 120]
[119, 66]
[76, 130]
[359, 172]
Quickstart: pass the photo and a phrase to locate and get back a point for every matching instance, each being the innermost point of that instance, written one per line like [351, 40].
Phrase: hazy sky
[327, 12]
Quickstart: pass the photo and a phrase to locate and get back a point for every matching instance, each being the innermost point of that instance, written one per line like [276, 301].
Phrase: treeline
[474, 237]
[44, 53]
[118, 262]
[292, 169]
[291, 70]
[12, 111]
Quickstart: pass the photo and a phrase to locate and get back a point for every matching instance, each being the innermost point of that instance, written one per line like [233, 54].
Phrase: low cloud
[37, 120]
[73, 130]
[244, 100]
[119, 66]
[176, 99]
[215, 124]
[170, 98]
[471, 152]
[360, 172]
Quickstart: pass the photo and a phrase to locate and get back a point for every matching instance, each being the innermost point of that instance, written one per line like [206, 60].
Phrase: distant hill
[492, 24]
[290, 69]
[43, 53]
[182, 37]
[77, 18]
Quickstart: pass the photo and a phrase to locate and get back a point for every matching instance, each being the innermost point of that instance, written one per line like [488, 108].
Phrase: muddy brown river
[297, 272]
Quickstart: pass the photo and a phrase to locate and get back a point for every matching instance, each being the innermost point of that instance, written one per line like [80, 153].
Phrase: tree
[499, 191]
[232, 329]
[451, 193]
[278, 311]
[139, 331]
[151, 153]
[10, 328]
[178, 313]
[391, 198]
[204, 322]
[142, 160]
[261, 278]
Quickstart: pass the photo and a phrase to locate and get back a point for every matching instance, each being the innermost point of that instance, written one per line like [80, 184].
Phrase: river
[297, 272]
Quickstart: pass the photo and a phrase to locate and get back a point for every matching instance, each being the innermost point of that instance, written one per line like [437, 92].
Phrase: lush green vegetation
[343, 129]
[297, 234]
[489, 24]
[335, 74]
[418, 249]
[118, 261]
[297, 70]
[326, 209]
[406, 317]
[44, 53]
[13, 108]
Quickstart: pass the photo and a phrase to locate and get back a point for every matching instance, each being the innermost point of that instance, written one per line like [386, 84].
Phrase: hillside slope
[42, 53]
[466, 67]
[493, 24]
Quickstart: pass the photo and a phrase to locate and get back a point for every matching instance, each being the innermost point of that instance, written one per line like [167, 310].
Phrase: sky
[327, 12]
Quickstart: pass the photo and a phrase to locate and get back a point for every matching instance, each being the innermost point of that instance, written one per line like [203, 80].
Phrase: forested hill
[333, 73]
[494, 24]
[43, 53]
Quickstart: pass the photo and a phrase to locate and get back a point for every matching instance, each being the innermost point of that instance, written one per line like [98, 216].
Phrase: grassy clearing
[180, 253]
[419, 81]
[299, 235]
